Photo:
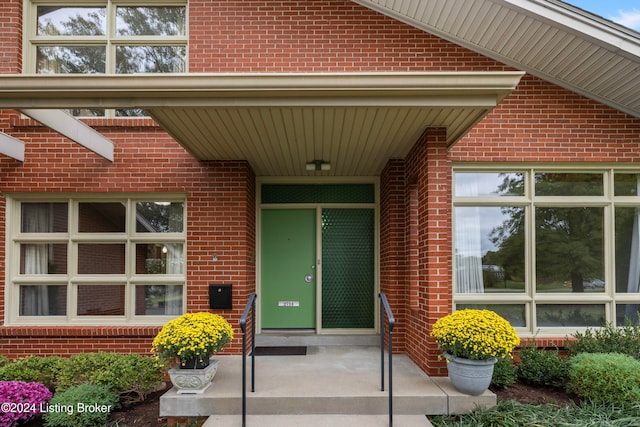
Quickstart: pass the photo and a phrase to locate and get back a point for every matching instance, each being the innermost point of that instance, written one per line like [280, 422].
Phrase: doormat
[282, 351]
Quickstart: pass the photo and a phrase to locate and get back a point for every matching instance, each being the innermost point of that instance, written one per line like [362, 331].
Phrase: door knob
[308, 278]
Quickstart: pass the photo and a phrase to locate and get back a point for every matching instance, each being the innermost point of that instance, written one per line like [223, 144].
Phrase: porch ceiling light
[318, 165]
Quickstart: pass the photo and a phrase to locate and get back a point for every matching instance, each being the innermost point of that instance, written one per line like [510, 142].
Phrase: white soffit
[280, 122]
[549, 39]
[73, 129]
[12, 147]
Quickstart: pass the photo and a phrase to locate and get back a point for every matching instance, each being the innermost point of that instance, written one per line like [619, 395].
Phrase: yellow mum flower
[192, 336]
[475, 334]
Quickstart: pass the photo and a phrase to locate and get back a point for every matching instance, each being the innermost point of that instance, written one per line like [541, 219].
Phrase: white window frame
[31, 41]
[72, 238]
[530, 298]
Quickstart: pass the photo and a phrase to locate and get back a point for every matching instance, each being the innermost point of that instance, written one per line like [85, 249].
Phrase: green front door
[288, 268]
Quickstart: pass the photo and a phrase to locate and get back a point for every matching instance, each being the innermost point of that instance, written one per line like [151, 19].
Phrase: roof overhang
[550, 39]
[280, 122]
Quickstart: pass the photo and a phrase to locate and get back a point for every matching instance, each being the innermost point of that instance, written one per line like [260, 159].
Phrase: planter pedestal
[470, 376]
[193, 381]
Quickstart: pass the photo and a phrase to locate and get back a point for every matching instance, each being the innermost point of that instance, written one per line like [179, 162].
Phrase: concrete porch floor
[330, 386]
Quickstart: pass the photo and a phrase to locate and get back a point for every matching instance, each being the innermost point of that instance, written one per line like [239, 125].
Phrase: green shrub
[43, 370]
[606, 378]
[131, 376]
[542, 367]
[85, 405]
[3, 360]
[608, 339]
[504, 373]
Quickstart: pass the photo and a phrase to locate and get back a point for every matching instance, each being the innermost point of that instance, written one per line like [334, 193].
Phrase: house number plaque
[288, 303]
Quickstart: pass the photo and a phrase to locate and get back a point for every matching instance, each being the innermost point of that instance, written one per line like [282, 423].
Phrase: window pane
[43, 217]
[43, 300]
[514, 313]
[489, 184]
[100, 300]
[85, 112]
[626, 184]
[569, 184]
[627, 313]
[70, 60]
[101, 258]
[569, 249]
[71, 21]
[150, 59]
[489, 248]
[107, 217]
[578, 315]
[158, 300]
[150, 21]
[159, 258]
[627, 241]
[43, 258]
[159, 217]
[132, 112]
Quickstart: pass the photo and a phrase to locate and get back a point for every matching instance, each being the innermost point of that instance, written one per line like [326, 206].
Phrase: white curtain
[633, 280]
[175, 265]
[35, 299]
[468, 244]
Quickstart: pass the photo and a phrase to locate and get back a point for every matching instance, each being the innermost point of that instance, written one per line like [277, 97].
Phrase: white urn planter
[193, 381]
[470, 376]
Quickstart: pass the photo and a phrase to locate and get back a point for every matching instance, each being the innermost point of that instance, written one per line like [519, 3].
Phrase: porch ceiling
[280, 122]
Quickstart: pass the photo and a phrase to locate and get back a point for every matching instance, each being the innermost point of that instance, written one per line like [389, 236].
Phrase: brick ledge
[78, 331]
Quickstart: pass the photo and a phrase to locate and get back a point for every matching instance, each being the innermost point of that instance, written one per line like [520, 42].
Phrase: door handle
[308, 278]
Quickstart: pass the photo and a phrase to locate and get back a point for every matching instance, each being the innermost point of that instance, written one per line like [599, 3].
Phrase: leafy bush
[21, 401]
[85, 405]
[131, 376]
[542, 367]
[3, 360]
[607, 378]
[33, 369]
[608, 339]
[504, 373]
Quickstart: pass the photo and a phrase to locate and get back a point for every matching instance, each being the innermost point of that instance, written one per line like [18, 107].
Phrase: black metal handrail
[385, 308]
[250, 307]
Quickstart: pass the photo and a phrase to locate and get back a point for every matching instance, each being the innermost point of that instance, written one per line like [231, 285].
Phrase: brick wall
[220, 220]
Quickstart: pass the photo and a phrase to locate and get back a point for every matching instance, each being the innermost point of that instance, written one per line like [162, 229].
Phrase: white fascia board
[11, 147]
[73, 129]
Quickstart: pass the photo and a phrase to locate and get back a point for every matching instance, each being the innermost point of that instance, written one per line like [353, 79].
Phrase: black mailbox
[220, 297]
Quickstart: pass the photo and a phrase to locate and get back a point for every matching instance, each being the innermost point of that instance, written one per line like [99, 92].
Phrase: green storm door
[288, 269]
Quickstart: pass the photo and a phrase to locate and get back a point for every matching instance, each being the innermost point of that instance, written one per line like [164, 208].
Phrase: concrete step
[329, 381]
[317, 420]
[298, 338]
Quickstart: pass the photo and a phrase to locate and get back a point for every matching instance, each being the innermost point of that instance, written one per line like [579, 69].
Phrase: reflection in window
[43, 300]
[100, 300]
[513, 313]
[569, 249]
[574, 315]
[626, 184]
[569, 184]
[150, 21]
[70, 60]
[159, 217]
[99, 258]
[158, 299]
[150, 59]
[627, 241]
[489, 249]
[71, 21]
[489, 184]
[159, 258]
[102, 217]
